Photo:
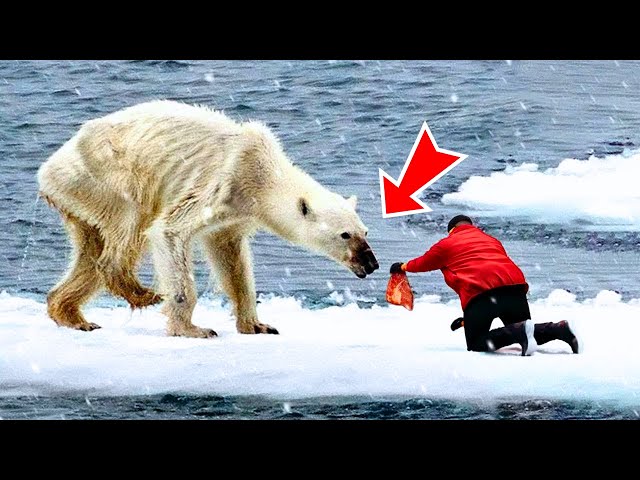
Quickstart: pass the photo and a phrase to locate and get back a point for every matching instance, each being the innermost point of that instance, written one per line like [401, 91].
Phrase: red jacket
[471, 261]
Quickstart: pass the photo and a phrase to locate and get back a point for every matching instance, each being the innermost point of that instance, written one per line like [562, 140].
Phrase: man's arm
[433, 259]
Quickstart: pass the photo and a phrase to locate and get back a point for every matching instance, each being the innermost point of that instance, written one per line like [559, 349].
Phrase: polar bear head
[333, 228]
[294, 206]
[309, 215]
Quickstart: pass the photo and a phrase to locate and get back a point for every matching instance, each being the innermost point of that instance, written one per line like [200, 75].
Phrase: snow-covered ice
[600, 191]
[338, 350]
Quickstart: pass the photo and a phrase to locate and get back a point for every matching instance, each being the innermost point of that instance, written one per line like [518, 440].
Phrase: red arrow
[426, 164]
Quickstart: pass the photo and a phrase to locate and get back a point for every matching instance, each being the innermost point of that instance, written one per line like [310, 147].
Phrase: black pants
[510, 305]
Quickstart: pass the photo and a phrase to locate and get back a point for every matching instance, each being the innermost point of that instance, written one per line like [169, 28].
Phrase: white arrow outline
[414, 195]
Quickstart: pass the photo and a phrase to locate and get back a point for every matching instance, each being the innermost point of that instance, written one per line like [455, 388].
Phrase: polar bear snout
[364, 261]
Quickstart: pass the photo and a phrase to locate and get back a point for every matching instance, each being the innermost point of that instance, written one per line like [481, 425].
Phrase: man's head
[458, 220]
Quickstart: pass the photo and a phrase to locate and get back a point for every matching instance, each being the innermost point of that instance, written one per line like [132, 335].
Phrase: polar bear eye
[345, 235]
[304, 208]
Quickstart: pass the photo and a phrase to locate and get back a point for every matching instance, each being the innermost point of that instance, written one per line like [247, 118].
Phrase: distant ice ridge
[338, 350]
[600, 191]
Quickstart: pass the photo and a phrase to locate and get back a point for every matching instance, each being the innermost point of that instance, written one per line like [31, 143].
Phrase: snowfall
[338, 350]
[350, 350]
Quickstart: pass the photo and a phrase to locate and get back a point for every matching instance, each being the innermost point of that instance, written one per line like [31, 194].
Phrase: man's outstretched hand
[396, 268]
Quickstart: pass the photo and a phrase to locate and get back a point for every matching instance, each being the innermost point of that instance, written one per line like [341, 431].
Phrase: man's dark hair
[455, 220]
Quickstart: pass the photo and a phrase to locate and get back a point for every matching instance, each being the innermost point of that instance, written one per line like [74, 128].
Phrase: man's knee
[479, 344]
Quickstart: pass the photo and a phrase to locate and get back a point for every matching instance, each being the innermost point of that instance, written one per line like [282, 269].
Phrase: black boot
[545, 332]
[521, 333]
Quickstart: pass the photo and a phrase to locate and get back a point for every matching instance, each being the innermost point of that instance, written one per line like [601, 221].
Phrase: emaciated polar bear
[164, 173]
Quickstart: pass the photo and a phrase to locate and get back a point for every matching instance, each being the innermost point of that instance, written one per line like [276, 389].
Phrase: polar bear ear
[353, 201]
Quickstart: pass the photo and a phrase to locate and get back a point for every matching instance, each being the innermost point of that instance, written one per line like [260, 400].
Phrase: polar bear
[163, 174]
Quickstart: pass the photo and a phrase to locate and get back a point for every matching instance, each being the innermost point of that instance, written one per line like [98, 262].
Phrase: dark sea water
[183, 407]
[341, 121]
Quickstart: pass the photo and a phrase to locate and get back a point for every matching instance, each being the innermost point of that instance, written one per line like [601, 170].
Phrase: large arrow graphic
[426, 164]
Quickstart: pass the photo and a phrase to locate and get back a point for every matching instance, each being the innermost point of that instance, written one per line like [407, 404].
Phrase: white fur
[168, 172]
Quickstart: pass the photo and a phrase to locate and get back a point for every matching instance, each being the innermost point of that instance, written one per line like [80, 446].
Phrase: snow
[338, 350]
[600, 191]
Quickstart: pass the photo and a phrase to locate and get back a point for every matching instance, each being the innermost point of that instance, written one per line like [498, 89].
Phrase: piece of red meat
[399, 291]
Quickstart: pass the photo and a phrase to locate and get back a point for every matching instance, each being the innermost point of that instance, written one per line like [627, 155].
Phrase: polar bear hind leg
[118, 263]
[82, 280]
[105, 231]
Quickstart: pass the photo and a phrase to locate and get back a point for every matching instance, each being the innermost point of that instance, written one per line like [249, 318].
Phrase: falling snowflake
[454, 97]
[509, 62]
[209, 77]
[286, 406]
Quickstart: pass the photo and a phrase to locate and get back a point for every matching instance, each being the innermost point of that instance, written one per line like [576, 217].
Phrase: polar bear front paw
[85, 326]
[192, 332]
[257, 328]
